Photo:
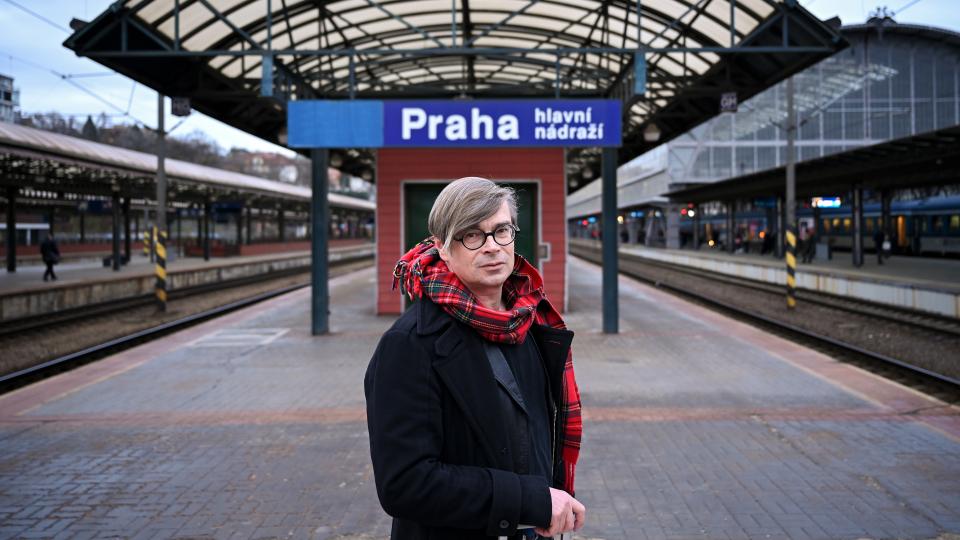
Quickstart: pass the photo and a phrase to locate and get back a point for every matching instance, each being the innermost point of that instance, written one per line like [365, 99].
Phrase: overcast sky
[31, 50]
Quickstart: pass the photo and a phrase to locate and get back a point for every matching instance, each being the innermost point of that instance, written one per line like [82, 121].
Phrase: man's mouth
[492, 265]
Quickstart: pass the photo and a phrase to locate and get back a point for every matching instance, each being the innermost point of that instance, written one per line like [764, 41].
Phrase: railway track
[673, 277]
[89, 354]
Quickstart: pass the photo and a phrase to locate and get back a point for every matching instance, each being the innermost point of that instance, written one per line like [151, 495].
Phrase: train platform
[696, 426]
[25, 294]
[917, 283]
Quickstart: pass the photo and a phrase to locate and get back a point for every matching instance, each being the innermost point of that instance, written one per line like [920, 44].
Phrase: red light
[684, 211]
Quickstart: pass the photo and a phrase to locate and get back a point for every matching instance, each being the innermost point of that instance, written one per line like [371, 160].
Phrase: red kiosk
[424, 145]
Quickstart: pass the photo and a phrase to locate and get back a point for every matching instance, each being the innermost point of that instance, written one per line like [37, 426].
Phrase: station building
[894, 85]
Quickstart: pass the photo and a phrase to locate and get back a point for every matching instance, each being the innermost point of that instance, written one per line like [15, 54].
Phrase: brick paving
[696, 427]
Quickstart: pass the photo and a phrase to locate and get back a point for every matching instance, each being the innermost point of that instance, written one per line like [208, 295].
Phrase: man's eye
[471, 235]
[502, 232]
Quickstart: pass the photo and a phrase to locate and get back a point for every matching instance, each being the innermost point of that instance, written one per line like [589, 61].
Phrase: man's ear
[444, 255]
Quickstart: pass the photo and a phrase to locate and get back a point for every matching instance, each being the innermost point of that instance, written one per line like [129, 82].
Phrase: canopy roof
[31, 157]
[695, 50]
[929, 159]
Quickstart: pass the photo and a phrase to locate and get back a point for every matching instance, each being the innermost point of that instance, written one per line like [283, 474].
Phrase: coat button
[504, 524]
[503, 450]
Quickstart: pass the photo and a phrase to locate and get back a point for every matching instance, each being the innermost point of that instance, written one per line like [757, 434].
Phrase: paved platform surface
[696, 426]
[939, 273]
[31, 277]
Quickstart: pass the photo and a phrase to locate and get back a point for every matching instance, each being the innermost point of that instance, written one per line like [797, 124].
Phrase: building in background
[9, 99]
[894, 81]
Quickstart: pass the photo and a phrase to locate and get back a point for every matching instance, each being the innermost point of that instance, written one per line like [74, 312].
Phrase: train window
[955, 222]
[847, 223]
[836, 222]
[924, 225]
[937, 223]
[826, 225]
[869, 223]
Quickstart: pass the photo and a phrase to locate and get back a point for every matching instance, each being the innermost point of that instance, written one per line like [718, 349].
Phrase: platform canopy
[241, 61]
[926, 160]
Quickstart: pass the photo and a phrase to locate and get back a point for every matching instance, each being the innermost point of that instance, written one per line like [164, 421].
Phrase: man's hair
[466, 202]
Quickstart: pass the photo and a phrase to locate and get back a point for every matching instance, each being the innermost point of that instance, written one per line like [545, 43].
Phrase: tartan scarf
[421, 272]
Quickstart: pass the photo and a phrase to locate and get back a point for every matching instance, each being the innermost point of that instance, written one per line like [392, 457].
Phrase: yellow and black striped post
[791, 268]
[146, 243]
[161, 268]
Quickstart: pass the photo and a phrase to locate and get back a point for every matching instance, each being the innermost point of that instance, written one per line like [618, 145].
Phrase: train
[928, 227]
[918, 227]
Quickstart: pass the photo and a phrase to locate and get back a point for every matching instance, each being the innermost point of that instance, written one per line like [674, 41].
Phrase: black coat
[442, 456]
[49, 251]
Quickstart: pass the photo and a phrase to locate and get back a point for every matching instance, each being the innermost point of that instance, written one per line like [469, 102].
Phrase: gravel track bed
[33, 347]
[935, 351]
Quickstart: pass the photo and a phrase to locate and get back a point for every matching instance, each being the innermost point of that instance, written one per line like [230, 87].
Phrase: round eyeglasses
[474, 239]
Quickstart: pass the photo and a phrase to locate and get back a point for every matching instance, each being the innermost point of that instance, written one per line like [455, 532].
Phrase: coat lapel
[465, 371]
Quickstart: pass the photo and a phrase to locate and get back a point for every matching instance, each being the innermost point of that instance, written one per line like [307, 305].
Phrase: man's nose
[489, 244]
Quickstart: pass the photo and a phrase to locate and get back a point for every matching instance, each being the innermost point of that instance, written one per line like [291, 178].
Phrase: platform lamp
[651, 133]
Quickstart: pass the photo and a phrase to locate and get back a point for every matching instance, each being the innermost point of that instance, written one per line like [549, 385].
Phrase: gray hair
[466, 202]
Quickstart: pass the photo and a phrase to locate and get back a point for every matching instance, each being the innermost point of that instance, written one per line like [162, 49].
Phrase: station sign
[825, 202]
[436, 123]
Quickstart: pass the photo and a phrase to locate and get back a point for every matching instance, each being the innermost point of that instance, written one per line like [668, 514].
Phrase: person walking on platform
[473, 409]
[878, 238]
[50, 254]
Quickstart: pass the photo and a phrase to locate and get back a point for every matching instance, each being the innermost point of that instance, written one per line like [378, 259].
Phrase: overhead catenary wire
[38, 16]
[85, 90]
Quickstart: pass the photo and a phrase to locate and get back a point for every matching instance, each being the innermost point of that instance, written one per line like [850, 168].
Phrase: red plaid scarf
[421, 271]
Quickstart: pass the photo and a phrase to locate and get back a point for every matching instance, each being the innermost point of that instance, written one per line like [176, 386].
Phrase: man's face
[485, 269]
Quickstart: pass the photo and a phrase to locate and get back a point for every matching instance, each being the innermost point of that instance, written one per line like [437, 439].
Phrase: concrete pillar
[857, 225]
[11, 229]
[115, 233]
[673, 226]
[633, 230]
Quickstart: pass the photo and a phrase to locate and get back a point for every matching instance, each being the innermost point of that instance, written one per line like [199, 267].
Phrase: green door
[419, 197]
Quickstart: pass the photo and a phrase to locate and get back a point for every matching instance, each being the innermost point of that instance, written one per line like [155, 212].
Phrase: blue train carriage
[919, 227]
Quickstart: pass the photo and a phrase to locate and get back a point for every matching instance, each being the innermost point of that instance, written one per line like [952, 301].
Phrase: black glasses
[474, 239]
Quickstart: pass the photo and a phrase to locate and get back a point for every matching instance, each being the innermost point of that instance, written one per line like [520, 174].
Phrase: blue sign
[483, 123]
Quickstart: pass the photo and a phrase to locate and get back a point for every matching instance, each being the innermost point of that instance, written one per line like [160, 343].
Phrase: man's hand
[568, 514]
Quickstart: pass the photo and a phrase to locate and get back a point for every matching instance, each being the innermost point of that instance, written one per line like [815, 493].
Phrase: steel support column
[249, 220]
[696, 228]
[731, 223]
[115, 257]
[206, 229]
[11, 229]
[281, 224]
[319, 217]
[126, 228]
[610, 241]
[239, 229]
[857, 225]
[779, 239]
[885, 214]
[83, 222]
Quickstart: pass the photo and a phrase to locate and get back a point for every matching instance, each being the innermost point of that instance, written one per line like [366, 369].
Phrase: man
[50, 254]
[878, 238]
[472, 406]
